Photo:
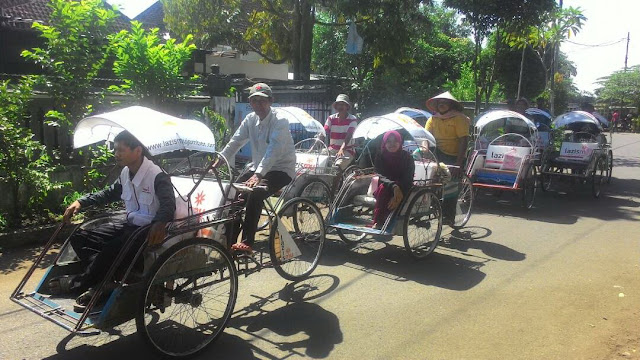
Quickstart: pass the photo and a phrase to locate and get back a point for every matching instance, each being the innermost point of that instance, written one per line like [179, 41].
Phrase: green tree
[397, 70]
[556, 26]
[486, 17]
[75, 50]
[24, 164]
[211, 22]
[151, 70]
[621, 88]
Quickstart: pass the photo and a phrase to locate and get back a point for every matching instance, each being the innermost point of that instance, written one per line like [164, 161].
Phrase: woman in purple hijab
[395, 168]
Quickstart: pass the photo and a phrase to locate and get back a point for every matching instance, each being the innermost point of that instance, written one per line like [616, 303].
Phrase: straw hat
[344, 98]
[455, 104]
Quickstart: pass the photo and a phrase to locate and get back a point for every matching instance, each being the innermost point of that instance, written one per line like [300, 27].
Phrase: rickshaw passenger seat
[364, 200]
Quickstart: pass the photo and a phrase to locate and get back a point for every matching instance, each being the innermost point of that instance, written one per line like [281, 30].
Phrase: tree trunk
[295, 40]
[491, 81]
[307, 13]
[476, 70]
[521, 71]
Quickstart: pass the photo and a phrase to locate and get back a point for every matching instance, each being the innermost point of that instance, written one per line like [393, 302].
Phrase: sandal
[83, 300]
[61, 284]
[242, 247]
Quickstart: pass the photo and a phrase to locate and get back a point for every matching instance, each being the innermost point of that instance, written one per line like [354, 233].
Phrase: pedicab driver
[272, 153]
[450, 127]
[339, 128]
[149, 200]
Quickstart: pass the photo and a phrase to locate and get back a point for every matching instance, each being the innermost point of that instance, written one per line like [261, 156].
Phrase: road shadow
[470, 238]
[392, 262]
[292, 316]
[16, 259]
[625, 161]
[617, 202]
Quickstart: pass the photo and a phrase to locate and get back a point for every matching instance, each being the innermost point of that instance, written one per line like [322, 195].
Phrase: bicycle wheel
[301, 220]
[422, 224]
[528, 186]
[464, 203]
[318, 192]
[188, 298]
[609, 166]
[597, 177]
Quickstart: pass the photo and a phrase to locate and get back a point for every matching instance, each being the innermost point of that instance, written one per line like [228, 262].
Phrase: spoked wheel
[609, 166]
[422, 224]
[529, 187]
[300, 226]
[318, 192]
[188, 298]
[598, 177]
[545, 182]
[464, 203]
[350, 237]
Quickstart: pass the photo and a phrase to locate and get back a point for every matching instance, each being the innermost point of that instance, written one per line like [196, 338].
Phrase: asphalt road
[560, 281]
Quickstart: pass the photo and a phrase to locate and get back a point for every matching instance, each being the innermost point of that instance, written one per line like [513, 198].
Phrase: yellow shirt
[448, 131]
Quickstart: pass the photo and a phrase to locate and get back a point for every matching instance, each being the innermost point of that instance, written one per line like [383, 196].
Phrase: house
[229, 60]
[17, 34]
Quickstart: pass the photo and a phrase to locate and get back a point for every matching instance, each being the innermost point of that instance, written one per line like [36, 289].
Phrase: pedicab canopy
[421, 116]
[158, 132]
[603, 121]
[577, 120]
[375, 126]
[509, 121]
[539, 116]
[296, 115]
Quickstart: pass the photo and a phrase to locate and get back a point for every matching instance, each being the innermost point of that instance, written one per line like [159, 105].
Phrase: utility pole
[626, 55]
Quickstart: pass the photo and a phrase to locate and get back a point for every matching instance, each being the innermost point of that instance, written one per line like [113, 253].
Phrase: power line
[598, 45]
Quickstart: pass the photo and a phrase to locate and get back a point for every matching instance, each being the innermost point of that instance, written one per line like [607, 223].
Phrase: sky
[131, 8]
[608, 21]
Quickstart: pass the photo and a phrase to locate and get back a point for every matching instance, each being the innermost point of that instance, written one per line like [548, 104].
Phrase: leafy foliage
[621, 88]
[75, 50]
[218, 125]
[394, 70]
[24, 163]
[151, 70]
[212, 22]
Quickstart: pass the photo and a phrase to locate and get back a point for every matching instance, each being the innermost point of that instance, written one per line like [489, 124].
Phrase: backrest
[208, 195]
[424, 170]
[311, 160]
[496, 155]
[577, 151]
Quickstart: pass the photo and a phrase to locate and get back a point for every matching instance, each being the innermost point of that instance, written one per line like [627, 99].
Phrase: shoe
[61, 284]
[83, 300]
[241, 247]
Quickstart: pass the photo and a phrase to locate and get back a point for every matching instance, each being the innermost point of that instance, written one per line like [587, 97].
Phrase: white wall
[252, 69]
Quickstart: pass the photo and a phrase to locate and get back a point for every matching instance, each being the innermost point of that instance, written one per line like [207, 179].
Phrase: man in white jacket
[273, 155]
[149, 201]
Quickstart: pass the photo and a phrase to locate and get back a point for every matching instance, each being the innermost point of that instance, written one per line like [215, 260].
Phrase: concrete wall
[252, 68]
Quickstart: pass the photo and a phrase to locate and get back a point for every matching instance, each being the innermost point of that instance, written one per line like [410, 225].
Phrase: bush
[25, 166]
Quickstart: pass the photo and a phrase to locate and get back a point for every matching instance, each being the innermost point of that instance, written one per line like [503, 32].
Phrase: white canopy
[296, 115]
[413, 113]
[496, 115]
[158, 132]
[576, 117]
[374, 126]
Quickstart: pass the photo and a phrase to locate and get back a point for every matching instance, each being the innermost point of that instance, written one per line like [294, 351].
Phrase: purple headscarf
[392, 160]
